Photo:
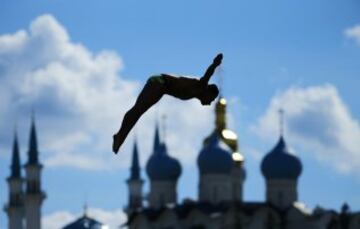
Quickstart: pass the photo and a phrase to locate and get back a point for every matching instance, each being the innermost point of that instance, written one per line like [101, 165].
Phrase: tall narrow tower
[135, 183]
[34, 195]
[230, 138]
[226, 135]
[15, 207]
[164, 172]
[281, 169]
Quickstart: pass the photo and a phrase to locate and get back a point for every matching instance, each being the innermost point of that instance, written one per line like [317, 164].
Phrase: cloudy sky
[80, 66]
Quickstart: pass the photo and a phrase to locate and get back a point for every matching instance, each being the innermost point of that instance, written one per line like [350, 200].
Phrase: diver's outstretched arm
[210, 70]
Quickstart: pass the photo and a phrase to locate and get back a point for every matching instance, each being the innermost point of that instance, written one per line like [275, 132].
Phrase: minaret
[135, 183]
[281, 169]
[164, 172]
[34, 195]
[15, 206]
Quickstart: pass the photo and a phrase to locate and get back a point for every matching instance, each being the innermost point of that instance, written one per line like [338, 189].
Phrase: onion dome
[215, 157]
[160, 165]
[280, 163]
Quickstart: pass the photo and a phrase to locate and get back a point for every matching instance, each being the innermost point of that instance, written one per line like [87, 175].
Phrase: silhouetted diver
[180, 87]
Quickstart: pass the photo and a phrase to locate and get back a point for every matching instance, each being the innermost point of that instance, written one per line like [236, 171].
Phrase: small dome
[85, 222]
[279, 163]
[161, 166]
[215, 157]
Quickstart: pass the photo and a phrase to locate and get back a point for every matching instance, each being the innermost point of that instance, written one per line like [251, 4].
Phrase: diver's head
[209, 94]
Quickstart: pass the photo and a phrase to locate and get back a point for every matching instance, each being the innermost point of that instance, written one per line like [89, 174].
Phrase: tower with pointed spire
[227, 136]
[15, 206]
[34, 195]
[281, 169]
[164, 172]
[135, 183]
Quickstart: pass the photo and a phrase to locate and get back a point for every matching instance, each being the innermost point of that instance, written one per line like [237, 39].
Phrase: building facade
[220, 202]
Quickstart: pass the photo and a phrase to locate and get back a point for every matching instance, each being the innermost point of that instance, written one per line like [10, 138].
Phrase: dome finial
[85, 209]
[281, 121]
[86, 206]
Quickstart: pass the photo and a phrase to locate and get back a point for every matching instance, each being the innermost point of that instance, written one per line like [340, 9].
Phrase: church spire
[157, 137]
[15, 164]
[135, 183]
[33, 146]
[135, 167]
[227, 135]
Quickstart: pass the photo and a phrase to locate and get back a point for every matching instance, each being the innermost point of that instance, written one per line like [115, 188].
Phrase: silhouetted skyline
[81, 64]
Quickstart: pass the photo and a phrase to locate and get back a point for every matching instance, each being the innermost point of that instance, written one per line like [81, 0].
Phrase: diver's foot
[218, 59]
[116, 143]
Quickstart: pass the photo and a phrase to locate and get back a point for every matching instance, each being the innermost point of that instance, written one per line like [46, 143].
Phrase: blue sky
[302, 56]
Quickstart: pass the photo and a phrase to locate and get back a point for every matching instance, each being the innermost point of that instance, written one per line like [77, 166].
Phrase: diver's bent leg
[151, 94]
[130, 119]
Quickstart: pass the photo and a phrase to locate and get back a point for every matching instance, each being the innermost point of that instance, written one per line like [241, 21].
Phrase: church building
[220, 203]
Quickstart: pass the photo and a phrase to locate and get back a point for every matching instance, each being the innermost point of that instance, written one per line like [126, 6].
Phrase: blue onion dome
[215, 157]
[161, 166]
[280, 163]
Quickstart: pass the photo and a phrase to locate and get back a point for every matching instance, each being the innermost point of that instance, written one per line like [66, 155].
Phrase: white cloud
[255, 154]
[318, 121]
[353, 33]
[111, 218]
[80, 99]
